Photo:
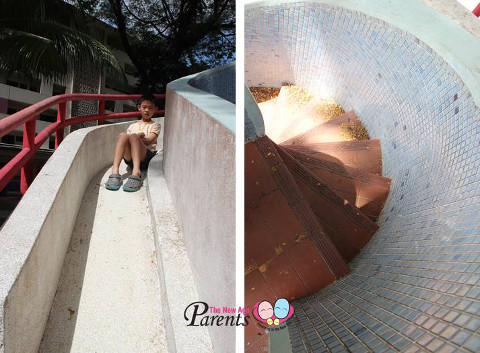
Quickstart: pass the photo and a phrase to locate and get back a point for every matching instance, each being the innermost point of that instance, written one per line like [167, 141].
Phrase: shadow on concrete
[61, 324]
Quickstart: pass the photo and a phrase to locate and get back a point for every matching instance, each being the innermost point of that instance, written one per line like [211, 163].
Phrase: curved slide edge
[454, 44]
[219, 81]
[34, 240]
[254, 125]
[174, 269]
[216, 107]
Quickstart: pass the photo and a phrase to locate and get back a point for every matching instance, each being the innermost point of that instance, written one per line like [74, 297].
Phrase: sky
[469, 4]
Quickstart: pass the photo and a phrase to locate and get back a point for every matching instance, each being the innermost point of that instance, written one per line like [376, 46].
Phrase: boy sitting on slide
[137, 147]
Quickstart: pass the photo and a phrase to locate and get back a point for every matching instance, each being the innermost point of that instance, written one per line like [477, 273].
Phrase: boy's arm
[152, 136]
[149, 139]
[155, 131]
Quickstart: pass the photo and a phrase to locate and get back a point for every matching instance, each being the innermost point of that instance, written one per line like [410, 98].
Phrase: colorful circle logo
[274, 315]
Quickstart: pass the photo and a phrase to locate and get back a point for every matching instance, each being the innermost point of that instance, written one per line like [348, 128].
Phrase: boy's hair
[148, 97]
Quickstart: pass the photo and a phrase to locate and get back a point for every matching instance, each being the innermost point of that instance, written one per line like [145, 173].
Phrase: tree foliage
[47, 38]
[167, 39]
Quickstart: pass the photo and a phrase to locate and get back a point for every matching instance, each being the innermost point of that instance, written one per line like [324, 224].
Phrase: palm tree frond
[31, 56]
[39, 47]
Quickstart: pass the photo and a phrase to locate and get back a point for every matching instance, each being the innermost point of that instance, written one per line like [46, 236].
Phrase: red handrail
[23, 161]
[476, 10]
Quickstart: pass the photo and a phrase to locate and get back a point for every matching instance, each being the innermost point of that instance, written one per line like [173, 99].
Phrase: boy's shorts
[144, 164]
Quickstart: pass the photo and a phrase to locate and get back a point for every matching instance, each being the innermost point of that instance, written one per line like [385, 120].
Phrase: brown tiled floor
[256, 338]
[258, 181]
[350, 183]
[360, 154]
[280, 260]
[303, 257]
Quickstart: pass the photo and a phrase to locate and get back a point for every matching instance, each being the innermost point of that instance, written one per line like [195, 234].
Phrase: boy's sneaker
[114, 182]
[134, 183]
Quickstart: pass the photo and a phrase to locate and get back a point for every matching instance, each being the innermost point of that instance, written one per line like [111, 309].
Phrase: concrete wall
[33, 242]
[411, 74]
[199, 167]
[460, 11]
[253, 124]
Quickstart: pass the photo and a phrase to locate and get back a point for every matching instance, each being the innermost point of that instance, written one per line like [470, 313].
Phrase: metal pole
[476, 11]
[61, 111]
[101, 112]
[26, 174]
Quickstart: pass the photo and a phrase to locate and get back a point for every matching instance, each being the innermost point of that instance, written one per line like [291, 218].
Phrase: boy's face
[147, 108]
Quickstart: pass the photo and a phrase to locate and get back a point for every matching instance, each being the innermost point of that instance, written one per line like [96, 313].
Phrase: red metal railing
[23, 161]
[476, 10]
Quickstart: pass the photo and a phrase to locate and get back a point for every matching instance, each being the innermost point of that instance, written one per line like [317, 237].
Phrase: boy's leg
[138, 151]
[122, 149]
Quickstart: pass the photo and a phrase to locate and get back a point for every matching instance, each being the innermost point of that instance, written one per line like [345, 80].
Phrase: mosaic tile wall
[416, 286]
[218, 81]
[85, 81]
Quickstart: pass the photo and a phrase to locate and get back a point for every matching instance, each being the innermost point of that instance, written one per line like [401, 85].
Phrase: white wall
[199, 167]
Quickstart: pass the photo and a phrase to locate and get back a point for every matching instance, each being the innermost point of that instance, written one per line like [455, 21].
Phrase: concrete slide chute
[410, 74]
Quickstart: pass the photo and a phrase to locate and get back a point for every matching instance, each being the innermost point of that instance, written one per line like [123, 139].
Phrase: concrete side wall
[177, 285]
[34, 240]
[254, 126]
[459, 13]
[199, 167]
